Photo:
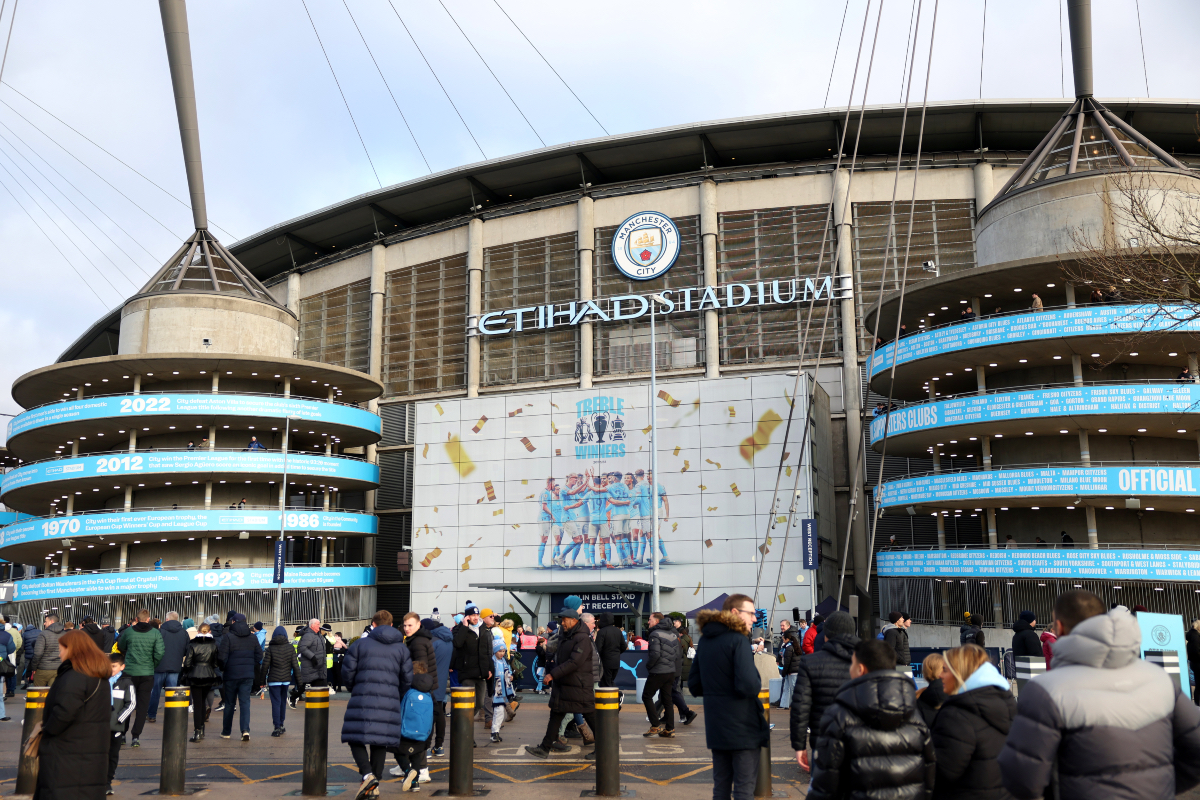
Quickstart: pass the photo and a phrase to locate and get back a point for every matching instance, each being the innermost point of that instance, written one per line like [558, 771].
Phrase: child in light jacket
[502, 686]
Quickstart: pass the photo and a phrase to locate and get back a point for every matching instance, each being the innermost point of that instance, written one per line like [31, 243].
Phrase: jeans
[278, 703]
[142, 684]
[556, 719]
[785, 694]
[734, 774]
[660, 681]
[483, 701]
[161, 680]
[236, 692]
[372, 765]
[11, 682]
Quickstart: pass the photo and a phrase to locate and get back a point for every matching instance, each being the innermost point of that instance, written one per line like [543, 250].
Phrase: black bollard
[173, 771]
[462, 742]
[608, 742]
[762, 787]
[27, 771]
[316, 742]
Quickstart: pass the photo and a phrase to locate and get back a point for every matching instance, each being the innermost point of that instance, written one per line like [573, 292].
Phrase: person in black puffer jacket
[104, 639]
[818, 679]
[572, 689]
[609, 645]
[239, 655]
[931, 699]
[1025, 641]
[663, 664]
[420, 648]
[970, 729]
[789, 665]
[972, 631]
[1192, 637]
[378, 669]
[872, 741]
[201, 673]
[280, 669]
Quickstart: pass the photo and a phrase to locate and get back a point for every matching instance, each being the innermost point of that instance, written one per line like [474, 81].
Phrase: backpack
[416, 717]
[879, 635]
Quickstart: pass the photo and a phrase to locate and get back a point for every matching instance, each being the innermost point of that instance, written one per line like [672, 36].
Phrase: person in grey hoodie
[46, 660]
[166, 674]
[1103, 722]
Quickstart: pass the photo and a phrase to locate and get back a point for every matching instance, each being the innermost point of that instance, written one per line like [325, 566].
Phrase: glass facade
[425, 328]
[335, 326]
[624, 347]
[522, 275]
[777, 244]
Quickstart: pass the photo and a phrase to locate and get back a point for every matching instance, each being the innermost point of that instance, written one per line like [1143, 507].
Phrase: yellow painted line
[273, 777]
[35, 705]
[607, 706]
[237, 773]
[668, 781]
[462, 705]
[316, 705]
[534, 780]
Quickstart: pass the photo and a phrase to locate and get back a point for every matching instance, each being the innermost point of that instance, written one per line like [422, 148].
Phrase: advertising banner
[1041, 562]
[121, 583]
[1167, 398]
[193, 462]
[597, 602]
[555, 488]
[150, 405]
[277, 575]
[1057, 324]
[1049, 482]
[182, 521]
[810, 545]
[1163, 644]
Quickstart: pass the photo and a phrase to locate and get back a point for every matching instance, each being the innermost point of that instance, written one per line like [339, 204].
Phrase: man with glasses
[724, 670]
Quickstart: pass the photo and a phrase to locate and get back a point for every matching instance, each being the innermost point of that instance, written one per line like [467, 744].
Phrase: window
[778, 244]
[335, 326]
[425, 328]
[943, 232]
[521, 275]
[623, 347]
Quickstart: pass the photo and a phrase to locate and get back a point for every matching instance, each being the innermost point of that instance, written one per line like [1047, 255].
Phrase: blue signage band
[194, 404]
[1041, 562]
[144, 582]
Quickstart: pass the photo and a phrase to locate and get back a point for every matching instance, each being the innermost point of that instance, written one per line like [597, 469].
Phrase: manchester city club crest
[645, 245]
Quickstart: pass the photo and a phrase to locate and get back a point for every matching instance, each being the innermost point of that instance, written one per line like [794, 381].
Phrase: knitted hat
[487, 612]
[839, 623]
[470, 609]
[1029, 616]
[258, 626]
[574, 602]
[498, 645]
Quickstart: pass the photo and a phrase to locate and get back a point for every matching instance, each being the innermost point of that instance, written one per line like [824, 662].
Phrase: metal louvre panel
[524, 275]
[335, 326]
[623, 347]
[425, 327]
[768, 245]
[394, 597]
[395, 534]
[399, 423]
[395, 481]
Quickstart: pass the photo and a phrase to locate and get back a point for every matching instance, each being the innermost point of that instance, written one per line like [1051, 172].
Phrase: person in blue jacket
[443, 650]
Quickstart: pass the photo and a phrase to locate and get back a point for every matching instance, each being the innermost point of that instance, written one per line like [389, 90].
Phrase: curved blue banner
[189, 462]
[121, 583]
[233, 405]
[1057, 324]
[1042, 562]
[1041, 482]
[335, 523]
[1168, 398]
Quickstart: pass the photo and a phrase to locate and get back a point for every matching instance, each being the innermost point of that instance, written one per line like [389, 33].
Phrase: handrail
[189, 568]
[136, 509]
[1036, 387]
[110, 453]
[192, 391]
[1056, 465]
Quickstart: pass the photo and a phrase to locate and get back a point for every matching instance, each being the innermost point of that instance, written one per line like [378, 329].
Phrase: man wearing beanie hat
[472, 660]
[1025, 641]
[821, 675]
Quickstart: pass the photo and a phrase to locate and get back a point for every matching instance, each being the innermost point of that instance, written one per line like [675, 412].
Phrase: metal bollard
[608, 742]
[316, 742]
[462, 742]
[27, 770]
[762, 787]
[173, 771]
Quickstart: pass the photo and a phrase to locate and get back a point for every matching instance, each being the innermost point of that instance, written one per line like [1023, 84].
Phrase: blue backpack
[416, 717]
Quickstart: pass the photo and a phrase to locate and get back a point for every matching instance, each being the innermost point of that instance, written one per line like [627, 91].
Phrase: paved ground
[266, 766]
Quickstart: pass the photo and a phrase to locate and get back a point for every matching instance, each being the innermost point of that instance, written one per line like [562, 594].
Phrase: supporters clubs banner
[184, 580]
[555, 488]
[1041, 562]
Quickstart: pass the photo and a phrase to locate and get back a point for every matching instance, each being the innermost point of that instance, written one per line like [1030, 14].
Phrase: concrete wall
[178, 323]
[947, 636]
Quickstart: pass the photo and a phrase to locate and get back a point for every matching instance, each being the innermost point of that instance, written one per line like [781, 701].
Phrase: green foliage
[514, 616]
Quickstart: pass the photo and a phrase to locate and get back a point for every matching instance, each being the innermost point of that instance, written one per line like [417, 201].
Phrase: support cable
[8, 40]
[552, 69]
[436, 78]
[982, 49]
[387, 86]
[1062, 61]
[106, 152]
[493, 74]
[908, 53]
[836, 48]
[1137, 6]
[343, 94]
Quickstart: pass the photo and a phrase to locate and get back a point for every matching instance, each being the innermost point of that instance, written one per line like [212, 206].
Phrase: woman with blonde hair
[931, 698]
[74, 749]
[970, 729]
[506, 631]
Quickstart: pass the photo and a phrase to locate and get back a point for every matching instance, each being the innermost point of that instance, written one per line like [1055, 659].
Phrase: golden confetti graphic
[558, 452]
[639, 448]
[716, 464]
[514, 413]
[555, 405]
[686, 465]
[788, 397]
[677, 449]
[480, 500]
[761, 437]
[782, 599]
[780, 520]
[430, 556]
[435, 510]
[459, 458]
[425, 452]
[516, 525]
[696, 404]
[497, 512]
[708, 542]
[712, 508]
[506, 552]
[530, 497]
[732, 412]
[466, 565]
[525, 481]
[439, 408]
[762, 548]
[703, 488]
[528, 444]
[674, 527]
[788, 470]
[666, 398]
[697, 590]
[491, 490]
[769, 540]
[736, 491]
[785, 455]
[479, 425]
[553, 427]
[646, 430]
[477, 541]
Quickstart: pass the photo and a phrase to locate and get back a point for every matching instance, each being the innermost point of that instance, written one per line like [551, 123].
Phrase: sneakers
[221, 706]
[667, 733]
[276, 733]
[654, 731]
[396, 771]
[197, 735]
[136, 743]
[369, 782]
[573, 732]
[559, 747]
[291, 702]
[536, 751]
[496, 738]
[690, 717]
[151, 720]
[109, 790]
[407, 785]
[245, 736]
[224, 735]
[424, 776]
[438, 752]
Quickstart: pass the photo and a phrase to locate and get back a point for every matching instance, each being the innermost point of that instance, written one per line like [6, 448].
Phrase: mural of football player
[545, 520]
[664, 506]
[575, 519]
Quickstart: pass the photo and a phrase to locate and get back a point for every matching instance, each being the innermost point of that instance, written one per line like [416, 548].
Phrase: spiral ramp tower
[155, 477]
[1069, 413]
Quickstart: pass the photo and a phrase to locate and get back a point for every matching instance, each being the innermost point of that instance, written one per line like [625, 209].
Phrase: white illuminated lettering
[710, 296]
[642, 303]
[729, 291]
[486, 318]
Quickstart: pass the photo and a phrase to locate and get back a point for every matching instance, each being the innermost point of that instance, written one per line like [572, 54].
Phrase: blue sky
[277, 141]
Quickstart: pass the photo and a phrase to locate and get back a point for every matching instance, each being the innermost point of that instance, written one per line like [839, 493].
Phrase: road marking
[237, 773]
[668, 781]
[534, 780]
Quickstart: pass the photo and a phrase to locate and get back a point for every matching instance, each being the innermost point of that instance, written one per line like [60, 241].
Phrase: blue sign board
[1057, 324]
[122, 583]
[190, 462]
[1169, 398]
[1048, 482]
[1163, 643]
[337, 523]
[203, 404]
[280, 561]
[810, 545]
[1041, 562]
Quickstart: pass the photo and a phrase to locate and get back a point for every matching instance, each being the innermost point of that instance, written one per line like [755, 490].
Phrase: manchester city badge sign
[646, 245]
